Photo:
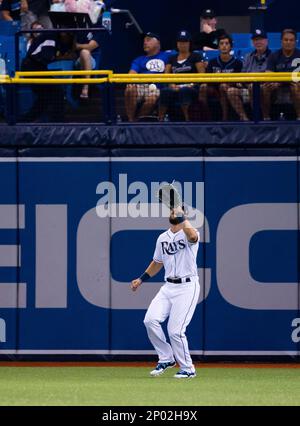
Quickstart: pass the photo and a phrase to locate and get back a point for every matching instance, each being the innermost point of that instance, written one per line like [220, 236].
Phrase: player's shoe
[161, 368]
[185, 375]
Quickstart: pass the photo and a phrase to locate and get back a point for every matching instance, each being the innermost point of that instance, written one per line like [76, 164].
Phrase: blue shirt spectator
[279, 62]
[150, 64]
[217, 65]
[287, 59]
[145, 96]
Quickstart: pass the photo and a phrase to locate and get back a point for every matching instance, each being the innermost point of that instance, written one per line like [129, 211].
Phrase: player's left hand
[135, 284]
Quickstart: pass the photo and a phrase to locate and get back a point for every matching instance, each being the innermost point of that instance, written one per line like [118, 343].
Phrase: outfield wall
[65, 272]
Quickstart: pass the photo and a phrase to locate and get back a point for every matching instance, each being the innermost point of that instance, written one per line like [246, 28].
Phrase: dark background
[168, 16]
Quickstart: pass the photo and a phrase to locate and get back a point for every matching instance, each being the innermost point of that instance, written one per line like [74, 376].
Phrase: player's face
[260, 43]
[224, 46]
[151, 44]
[288, 42]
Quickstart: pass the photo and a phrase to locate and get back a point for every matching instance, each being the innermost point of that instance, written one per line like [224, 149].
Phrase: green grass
[133, 386]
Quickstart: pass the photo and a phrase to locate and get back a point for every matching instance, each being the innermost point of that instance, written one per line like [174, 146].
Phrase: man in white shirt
[176, 250]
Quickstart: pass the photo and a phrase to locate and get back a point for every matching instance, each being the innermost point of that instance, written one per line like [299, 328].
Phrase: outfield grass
[132, 386]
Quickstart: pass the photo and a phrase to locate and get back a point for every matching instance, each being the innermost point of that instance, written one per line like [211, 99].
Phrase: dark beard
[174, 220]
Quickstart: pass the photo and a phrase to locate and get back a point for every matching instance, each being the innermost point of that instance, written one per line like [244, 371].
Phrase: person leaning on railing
[145, 96]
[185, 61]
[287, 59]
[224, 63]
[255, 61]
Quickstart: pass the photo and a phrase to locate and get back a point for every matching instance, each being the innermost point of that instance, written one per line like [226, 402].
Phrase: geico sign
[235, 283]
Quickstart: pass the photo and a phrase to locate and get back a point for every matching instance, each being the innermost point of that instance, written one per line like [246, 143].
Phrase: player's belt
[178, 280]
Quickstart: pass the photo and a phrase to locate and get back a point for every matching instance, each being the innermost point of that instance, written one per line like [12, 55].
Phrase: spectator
[255, 61]
[12, 9]
[185, 61]
[41, 51]
[286, 59]
[154, 61]
[208, 38]
[224, 63]
[37, 11]
[87, 46]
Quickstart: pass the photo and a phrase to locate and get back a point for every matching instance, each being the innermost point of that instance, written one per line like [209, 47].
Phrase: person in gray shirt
[255, 61]
[37, 11]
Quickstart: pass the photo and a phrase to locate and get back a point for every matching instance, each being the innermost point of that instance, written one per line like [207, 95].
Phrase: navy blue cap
[151, 35]
[184, 36]
[208, 14]
[259, 33]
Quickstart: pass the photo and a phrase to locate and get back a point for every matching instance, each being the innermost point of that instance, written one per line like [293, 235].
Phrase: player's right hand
[135, 284]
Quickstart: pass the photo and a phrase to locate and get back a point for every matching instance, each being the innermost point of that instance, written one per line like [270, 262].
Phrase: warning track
[144, 364]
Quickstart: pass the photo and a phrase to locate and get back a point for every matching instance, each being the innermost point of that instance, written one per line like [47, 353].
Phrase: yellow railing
[204, 78]
[62, 73]
[40, 77]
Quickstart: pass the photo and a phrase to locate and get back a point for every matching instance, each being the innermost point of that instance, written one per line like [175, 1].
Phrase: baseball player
[176, 250]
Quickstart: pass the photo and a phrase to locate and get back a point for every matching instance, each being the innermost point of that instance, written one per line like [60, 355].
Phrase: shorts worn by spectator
[88, 48]
[37, 11]
[12, 9]
[255, 61]
[185, 61]
[286, 59]
[225, 63]
[153, 62]
[208, 38]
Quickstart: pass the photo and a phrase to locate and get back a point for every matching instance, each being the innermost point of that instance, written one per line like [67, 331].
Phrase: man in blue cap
[256, 61]
[154, 61]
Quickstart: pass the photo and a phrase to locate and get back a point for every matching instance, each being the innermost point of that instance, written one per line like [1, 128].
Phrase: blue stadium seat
[210, 54]
[9, 28]
[274, 41]
[7, 52]
[241, 40]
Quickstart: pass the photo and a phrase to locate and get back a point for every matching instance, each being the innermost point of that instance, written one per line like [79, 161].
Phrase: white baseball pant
[178, 302]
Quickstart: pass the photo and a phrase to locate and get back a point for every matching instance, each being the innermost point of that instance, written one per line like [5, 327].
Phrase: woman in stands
[185, 61]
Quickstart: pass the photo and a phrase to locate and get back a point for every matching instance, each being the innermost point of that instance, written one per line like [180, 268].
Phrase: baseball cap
[259, 33]
[151, 35]
[184, 36]
[208, 13]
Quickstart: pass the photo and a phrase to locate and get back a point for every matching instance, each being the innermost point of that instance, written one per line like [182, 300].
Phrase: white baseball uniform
[174, 300]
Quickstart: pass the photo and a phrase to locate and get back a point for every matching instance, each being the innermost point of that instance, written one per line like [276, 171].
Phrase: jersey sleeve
[157, 257]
